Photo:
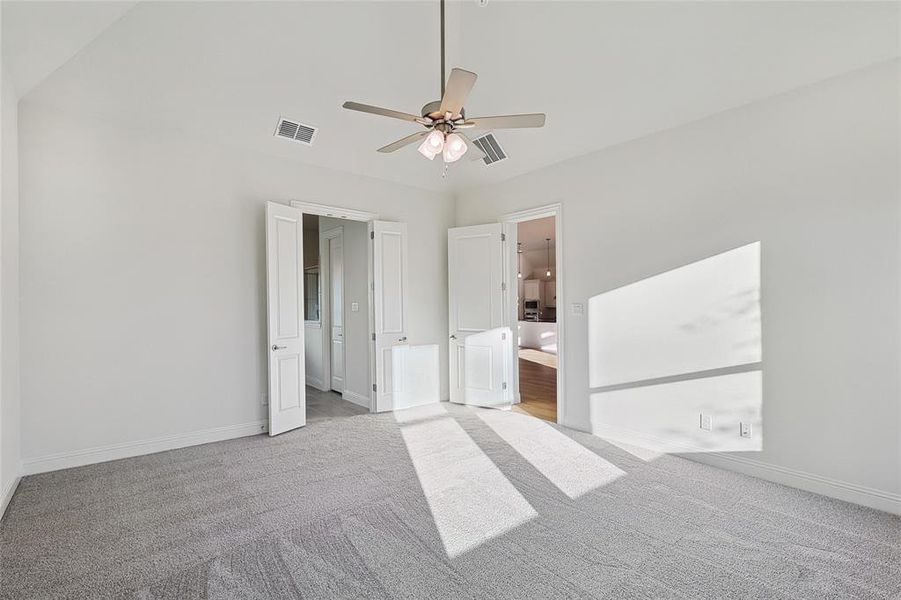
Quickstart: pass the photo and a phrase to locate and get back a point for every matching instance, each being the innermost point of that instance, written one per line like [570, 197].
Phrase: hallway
[537, 384]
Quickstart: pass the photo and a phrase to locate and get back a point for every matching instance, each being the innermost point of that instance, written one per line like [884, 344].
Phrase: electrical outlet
[744, 430]
[706, 422]
[264, 398]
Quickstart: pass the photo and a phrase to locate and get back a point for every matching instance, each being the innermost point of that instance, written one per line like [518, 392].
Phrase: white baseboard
[810, 482]
[825, 486]
[89, 456]
[418, 404]
[356, 398]
[317, 383]
[8, 494]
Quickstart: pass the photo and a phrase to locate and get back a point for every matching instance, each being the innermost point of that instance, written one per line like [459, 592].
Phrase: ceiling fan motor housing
[432, 110]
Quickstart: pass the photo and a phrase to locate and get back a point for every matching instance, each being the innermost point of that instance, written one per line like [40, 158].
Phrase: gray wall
[9, 284]
[813, 176]
[143, 288]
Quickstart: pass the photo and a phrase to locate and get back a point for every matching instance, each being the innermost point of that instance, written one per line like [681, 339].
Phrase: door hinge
[504, 335]
[504, 286]
[505, 385]
[373, 387]
[503, 237]
[371, 235]
[373, 337]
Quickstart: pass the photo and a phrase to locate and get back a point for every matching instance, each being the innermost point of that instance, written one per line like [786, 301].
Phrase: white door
[389, 304]
[335, 247]
[480, 342]
[284, 300]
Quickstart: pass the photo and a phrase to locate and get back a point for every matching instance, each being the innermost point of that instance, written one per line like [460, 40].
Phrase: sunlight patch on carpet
[574, 469]
[470, 499]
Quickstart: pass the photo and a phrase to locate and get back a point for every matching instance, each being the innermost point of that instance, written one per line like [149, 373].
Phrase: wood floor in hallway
[537, 384]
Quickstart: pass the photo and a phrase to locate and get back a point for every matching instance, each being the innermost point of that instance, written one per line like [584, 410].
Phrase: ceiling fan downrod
[442, 49]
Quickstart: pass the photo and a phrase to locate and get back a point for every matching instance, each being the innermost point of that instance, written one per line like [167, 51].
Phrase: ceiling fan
[443, 118]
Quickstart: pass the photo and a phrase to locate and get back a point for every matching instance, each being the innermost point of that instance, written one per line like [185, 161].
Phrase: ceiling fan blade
[410, 139]
[473, 151]
[385, 112]
[459, 84]
[506, 121]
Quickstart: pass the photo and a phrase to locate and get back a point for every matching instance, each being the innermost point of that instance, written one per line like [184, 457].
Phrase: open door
[481, 370]
[284, 301]
[389, 304]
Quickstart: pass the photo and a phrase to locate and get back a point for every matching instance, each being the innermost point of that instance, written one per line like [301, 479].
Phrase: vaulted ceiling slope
[39, 37]
[604, 72]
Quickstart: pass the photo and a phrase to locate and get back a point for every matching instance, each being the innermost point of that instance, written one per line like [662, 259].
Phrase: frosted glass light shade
[454, 148]
[432, 145]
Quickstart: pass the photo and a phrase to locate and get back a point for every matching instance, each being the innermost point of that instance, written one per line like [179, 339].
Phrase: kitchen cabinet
[532, 289]
[550, 293]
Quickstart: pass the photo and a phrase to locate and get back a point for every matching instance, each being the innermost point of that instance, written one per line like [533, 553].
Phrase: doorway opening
[298, 343]
[336, 321]
[536, 308]
[535, 301]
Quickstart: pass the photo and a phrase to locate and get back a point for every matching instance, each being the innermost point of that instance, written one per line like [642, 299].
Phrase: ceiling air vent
[296, 132]
[493, 151]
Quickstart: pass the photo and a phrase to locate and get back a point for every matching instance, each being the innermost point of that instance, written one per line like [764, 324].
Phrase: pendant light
[519, 258]
[548, 240]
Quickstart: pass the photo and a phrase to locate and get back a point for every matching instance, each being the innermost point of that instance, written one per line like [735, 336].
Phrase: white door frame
[337, 212]
[325, 305]
[540, 212]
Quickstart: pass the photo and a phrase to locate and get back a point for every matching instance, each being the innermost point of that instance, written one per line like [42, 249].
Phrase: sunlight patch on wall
[675, 359]
[571, 467]
[703, 316]
[471, 501]
[665, 417]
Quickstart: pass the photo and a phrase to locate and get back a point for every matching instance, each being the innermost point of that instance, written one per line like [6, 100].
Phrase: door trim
[336, 212]
[549, 210]
[349, 214]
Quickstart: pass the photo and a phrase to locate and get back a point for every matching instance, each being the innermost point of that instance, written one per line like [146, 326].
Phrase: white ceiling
[604, 72]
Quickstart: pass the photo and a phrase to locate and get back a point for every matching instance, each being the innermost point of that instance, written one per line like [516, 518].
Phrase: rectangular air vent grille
[295, 131]
[493, 151]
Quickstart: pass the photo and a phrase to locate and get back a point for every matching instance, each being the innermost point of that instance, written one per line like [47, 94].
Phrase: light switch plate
[354, 307]
[706, 422]
[578, 308]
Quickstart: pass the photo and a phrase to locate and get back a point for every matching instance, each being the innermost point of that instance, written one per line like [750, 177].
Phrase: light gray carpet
[369, 507]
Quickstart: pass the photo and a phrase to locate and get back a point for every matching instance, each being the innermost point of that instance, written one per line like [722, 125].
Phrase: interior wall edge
[8, 493]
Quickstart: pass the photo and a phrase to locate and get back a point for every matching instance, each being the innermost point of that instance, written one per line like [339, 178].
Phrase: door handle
[453, 337]
[277, 347]
[403, 339]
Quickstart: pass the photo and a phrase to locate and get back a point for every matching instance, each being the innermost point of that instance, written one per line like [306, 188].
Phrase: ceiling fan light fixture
[432, 145]
[442, 116]
[454, 148]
